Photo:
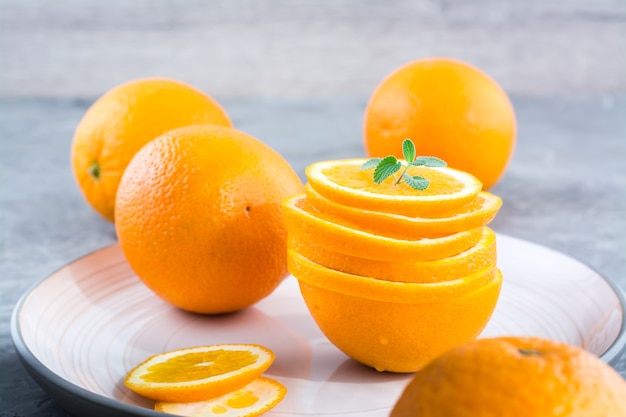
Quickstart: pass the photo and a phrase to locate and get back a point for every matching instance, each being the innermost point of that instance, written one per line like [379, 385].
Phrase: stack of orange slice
[394, 276]
[207, 381]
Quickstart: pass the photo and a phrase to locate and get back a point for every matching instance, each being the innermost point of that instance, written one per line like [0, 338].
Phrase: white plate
[79, 331]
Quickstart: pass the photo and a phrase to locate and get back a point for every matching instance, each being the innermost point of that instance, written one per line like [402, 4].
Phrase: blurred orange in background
[450, 110]
[123, 120]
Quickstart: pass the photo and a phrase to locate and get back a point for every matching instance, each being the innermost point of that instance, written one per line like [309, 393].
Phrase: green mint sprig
[390, 165]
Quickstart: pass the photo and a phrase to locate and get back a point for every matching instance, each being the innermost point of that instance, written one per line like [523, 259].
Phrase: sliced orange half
[307, 225]
[199, 373]
[258, 397]
[478, 257]
[476, 213]
[344, 182]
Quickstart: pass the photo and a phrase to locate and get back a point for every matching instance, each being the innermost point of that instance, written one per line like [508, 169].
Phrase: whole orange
[449, 109]
[198, 217]
[514, 376]
[124, 119]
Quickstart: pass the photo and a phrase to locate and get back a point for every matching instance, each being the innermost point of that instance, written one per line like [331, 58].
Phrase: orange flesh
[198, 365]
[352, 176]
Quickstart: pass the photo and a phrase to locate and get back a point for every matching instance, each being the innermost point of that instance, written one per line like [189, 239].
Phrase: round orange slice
[307, 225]
[310, 273]
[258, 397]
[476, 213]
[199, 373]
[478, 257]
[344, 182]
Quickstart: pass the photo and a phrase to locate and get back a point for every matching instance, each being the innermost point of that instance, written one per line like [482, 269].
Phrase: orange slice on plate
[258, 397]
[476, 213]
[313, 274]
[305, 224]
[199, 373]
[344, 182]
[478, 257]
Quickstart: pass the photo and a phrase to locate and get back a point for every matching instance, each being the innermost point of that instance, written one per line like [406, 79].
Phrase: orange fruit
[476, 213]
[199, 373]
[258, 397]
[394, 326]
[305, 224]
[344, 182]
[198, 217]
[123, 120]
[480, 256]
[450, 110]
[315, 274]
[396, 266]
[514, 376]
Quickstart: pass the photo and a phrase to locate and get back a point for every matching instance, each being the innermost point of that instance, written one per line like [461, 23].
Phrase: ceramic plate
[79, 331]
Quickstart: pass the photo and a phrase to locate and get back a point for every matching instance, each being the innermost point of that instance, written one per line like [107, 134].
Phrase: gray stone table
[297, 75]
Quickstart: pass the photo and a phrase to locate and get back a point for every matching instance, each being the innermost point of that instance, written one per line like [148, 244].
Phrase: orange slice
[258, 397]
[199, 373]
[476, 213]
[478, 257]
[307, 225]
[313, 274]
[344, 182]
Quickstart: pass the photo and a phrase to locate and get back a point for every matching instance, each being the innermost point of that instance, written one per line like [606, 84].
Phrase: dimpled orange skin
[449, 109]
[394, 333]
[199, 218]
[123, 120]
[517, 377]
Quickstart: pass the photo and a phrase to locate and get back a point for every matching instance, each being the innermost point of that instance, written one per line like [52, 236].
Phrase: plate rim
[64, 392]
[69, 395]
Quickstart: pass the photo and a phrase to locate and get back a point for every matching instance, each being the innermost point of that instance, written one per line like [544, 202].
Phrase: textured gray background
[297, 75]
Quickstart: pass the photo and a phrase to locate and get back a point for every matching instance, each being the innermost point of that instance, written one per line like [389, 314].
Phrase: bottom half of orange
[393, 326]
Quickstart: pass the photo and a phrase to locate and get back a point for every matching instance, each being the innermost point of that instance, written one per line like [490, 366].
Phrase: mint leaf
[428, 161]
[385, 168]
[416, 182]
[389, 165]
[370, 163]
[408, 150]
